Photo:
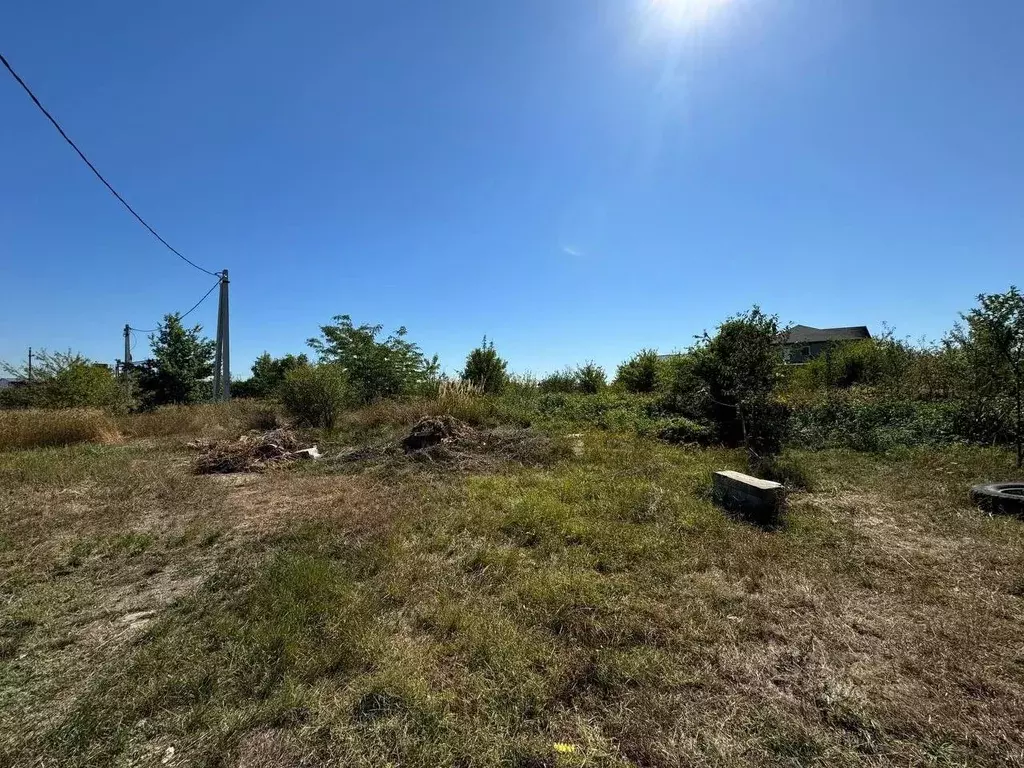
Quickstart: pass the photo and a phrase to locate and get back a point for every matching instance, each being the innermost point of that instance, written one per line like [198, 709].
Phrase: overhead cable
[98, 174]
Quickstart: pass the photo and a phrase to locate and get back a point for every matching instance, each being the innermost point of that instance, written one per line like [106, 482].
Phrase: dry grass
[307, 617]
[207, 420]
[21, 429]
[401, 413]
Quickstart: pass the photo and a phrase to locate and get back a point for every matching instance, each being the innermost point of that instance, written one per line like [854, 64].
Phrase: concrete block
[734, 489]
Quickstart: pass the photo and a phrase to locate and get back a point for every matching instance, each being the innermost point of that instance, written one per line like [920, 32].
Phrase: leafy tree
[268, 373]
[640, 373]
[182, 361]
[485, 368]
[992, 347]
[315, 394]
[374, 368]
[741, 368]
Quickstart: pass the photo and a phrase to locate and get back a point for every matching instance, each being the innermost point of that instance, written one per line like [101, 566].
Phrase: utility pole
[30, 363]
[226, 377]
[222, 355]
[127, 345]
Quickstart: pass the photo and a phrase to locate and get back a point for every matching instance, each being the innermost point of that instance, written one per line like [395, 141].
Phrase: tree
[268, 373]
[741, 368]
[485, 368]
[994, 345]
[182, 361]
[640, 373]
[374, 369]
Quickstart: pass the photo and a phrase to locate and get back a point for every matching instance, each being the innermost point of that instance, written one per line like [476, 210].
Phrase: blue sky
[577, 179]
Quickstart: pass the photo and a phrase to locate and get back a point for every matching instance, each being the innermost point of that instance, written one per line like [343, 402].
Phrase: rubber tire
[992, 497]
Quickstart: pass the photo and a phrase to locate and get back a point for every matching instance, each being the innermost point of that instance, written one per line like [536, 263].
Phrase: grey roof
[805, 334]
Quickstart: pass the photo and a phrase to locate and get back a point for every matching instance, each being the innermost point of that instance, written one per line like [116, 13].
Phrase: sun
[679, 14]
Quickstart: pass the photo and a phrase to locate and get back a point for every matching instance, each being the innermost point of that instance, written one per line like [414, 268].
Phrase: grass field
[600, 611]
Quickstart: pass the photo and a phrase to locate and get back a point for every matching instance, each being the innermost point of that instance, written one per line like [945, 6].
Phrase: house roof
[805, 334]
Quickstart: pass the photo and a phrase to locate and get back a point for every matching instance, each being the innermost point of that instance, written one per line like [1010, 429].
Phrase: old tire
[1006, 498]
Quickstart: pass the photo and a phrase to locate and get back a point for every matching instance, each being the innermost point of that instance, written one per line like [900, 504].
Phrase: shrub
[680, 391]
[767, 425]
[863, 420]
[67, 380]
[590, 378]
[485, 369]
[681, 430]
[615, 411]
[316, 394]
[639, 374]
[559, 381]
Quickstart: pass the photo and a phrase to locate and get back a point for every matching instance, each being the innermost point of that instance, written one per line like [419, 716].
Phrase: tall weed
[21, 429]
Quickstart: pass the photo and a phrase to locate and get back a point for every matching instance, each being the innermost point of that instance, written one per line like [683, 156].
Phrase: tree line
[730, 386]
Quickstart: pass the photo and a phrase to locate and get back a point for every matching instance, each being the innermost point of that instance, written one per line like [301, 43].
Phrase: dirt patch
[447, 443]
[253, 452]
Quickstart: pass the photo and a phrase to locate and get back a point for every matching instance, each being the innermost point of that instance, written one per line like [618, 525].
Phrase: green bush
[681, 430]
[590, 378]
[680, 391]
[880, 361]
[639, 374]
[68, 380]
[614, 411]
[867, 421]
[741, 368]
[559, 381]
[82, 386]
[316, 394]
[485, 369]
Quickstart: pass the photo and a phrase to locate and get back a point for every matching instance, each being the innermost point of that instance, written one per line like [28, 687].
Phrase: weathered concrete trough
[748, 494]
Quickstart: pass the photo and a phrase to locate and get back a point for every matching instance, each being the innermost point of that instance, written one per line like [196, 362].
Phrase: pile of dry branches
[250, 453]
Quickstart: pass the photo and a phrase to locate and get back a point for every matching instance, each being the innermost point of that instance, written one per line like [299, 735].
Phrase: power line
[186, 314]
[93, 169]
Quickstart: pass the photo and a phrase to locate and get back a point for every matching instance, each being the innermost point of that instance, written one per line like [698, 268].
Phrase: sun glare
[684, 14]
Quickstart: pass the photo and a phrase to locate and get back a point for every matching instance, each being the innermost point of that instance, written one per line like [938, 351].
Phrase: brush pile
[443, 442]
[253, 452]
[438, 430]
